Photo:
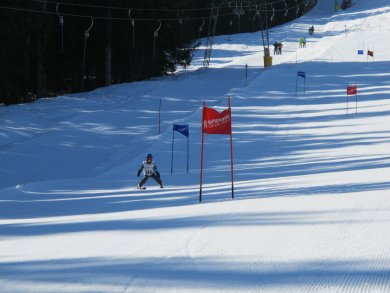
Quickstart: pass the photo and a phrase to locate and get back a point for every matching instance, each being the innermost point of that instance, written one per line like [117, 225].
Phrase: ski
[143, 187]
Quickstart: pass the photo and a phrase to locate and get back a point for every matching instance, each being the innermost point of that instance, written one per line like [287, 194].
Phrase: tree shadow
[186, 273]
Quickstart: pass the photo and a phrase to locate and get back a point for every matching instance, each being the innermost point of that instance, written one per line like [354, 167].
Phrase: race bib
[148, 169]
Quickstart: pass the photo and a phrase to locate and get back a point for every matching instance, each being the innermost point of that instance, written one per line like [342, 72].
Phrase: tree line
[52, 47]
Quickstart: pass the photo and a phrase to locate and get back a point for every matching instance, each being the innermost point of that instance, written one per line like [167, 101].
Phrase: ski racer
[150, 170]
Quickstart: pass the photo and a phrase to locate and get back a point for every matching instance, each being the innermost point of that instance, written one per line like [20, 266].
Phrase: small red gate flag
[370, 53]
[352, 90]
[215, 122]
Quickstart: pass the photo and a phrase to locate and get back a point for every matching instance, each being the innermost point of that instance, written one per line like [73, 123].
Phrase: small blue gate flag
[360, 52]
[183, 129]
[302, 74]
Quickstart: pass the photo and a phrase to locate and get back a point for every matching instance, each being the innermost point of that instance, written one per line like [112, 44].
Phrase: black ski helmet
[149, 156]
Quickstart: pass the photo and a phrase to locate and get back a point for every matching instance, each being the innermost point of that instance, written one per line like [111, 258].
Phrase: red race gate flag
[370, 53]
[351, 90]
[215, 122]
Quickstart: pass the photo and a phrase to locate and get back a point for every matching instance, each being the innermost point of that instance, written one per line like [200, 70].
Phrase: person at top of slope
[150, 171]
[300, 41]
[280, 46]
[311, 30]
[276, 47]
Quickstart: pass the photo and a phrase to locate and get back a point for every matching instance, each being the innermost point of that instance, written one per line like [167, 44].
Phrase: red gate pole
[201, 157]
[356, 98]
[231, 150]
[347, 97]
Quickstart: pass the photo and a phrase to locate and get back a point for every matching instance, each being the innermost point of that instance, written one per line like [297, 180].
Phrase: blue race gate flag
[303, 75]
[183, 129]
[360, 52]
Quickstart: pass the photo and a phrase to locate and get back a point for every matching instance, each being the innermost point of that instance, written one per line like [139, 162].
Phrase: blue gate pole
[173, 141]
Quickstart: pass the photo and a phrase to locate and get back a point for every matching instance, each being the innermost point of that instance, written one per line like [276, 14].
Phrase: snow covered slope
[311, 210]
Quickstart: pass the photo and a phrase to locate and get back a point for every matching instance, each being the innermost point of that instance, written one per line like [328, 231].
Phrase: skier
[150, 170]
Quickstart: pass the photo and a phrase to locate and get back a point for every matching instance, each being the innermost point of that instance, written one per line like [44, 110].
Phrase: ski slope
[311, 211]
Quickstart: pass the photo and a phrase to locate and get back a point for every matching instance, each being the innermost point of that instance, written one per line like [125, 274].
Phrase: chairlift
[201, 27]
[297, 11]
[181, 26]
[230, 28]
[273, 14]
[61, 22]
[285, 4]
[242, 11]
[254, 17]
[155, 35]
[133, 26]
[86, 37]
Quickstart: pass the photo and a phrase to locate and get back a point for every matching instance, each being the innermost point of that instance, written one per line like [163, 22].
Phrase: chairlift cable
[126, 19]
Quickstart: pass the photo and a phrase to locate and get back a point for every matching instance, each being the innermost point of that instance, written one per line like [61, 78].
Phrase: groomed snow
[311, 211]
